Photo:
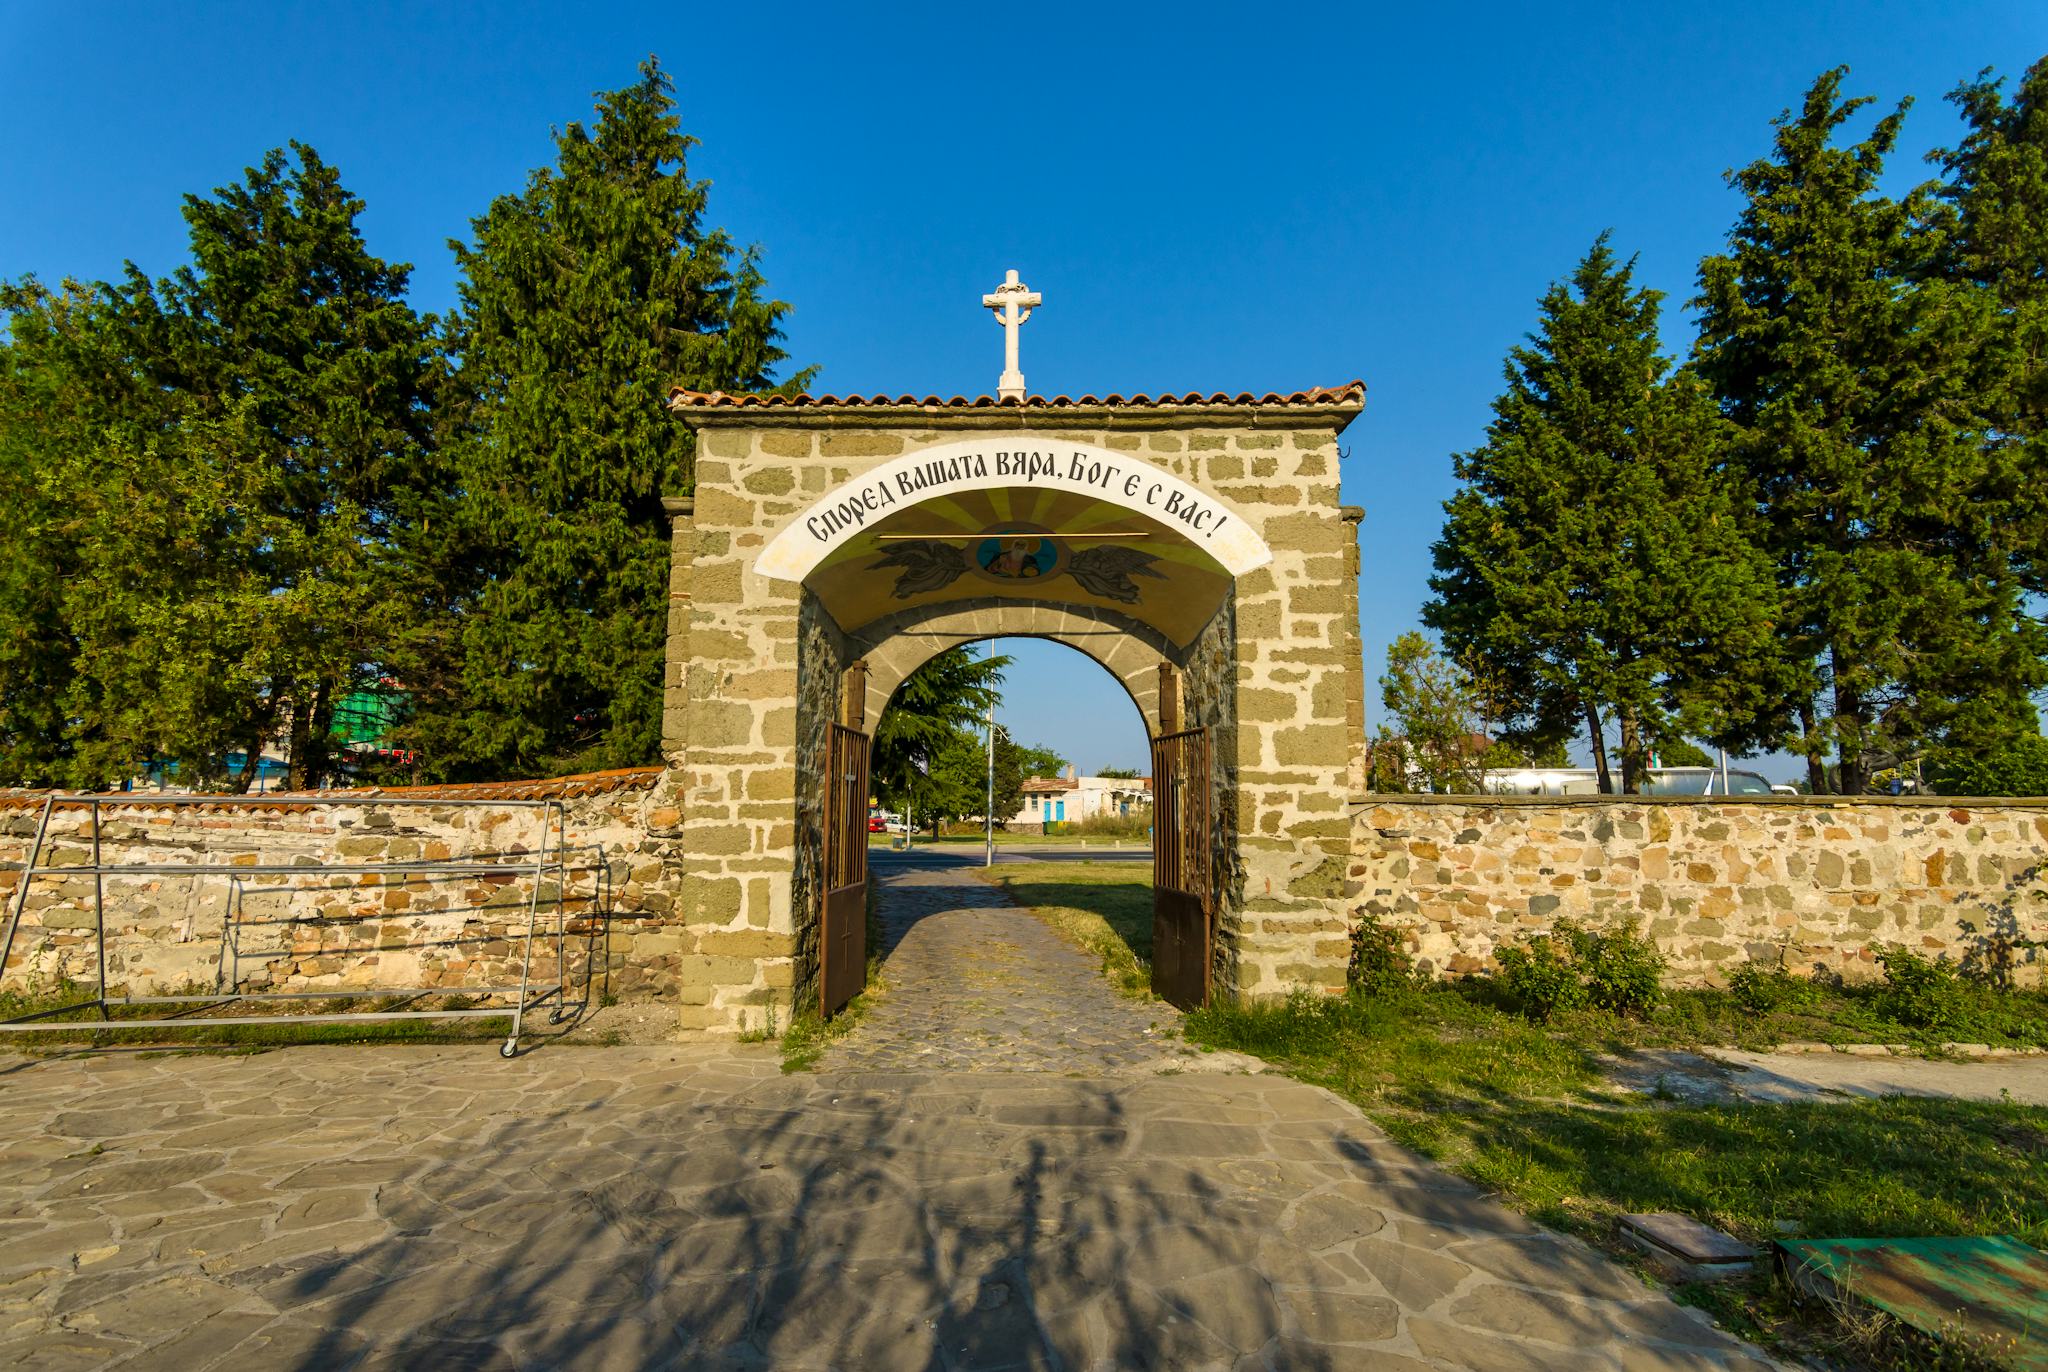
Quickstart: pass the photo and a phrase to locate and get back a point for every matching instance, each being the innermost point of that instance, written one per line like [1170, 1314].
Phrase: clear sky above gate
[1209, 197]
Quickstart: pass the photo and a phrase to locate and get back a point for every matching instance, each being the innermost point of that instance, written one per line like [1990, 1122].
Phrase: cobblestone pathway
[975, 984]
[387, 1208]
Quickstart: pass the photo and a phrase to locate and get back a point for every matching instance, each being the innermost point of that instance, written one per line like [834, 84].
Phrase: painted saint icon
[1016, 554]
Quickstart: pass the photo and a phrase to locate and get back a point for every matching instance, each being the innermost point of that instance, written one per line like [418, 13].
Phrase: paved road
[969, 854]
[1732, 1074]
[692, 1207]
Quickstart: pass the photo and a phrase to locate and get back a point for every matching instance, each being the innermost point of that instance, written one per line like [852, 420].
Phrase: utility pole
[988, 857]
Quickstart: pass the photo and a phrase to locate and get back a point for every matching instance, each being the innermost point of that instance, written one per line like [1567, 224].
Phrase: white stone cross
[1012, 302]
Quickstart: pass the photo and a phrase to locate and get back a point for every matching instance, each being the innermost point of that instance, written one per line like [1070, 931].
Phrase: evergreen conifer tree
[1844, 355]
[219, 464]
[1997, 182]
[583, 299]
[1596, 558]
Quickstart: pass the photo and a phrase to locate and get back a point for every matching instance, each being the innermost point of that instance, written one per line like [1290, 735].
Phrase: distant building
[1071, 798]
[363, 721]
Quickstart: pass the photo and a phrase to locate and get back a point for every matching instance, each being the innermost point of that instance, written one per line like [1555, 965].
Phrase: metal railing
[553, 817]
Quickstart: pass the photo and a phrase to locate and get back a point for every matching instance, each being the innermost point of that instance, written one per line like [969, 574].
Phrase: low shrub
[1379, 966]
[1764, 989]
[1921, 992]
[1542, 975]
[1571, 967]
[1110, 826]
[1624, 972]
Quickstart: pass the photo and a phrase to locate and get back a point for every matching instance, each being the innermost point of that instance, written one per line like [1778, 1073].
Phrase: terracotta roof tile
[1351, 393]
[555, 788]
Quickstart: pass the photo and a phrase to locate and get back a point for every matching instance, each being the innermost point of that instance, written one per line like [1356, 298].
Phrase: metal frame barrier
[554, 824]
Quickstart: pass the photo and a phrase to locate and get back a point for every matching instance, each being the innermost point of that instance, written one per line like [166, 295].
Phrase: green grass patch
[1864, 1012]
[1106, 908]
[1521, 1110]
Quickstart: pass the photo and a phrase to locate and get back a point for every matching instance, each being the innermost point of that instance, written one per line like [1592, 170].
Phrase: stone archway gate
[1193, 545]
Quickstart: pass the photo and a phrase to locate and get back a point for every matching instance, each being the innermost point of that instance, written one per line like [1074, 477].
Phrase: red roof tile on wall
[681, 398]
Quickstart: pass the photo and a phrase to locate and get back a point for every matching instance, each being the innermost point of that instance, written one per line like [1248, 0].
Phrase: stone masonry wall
[823, 657]
[1824, 882]
[1297, 668]
[308, 932]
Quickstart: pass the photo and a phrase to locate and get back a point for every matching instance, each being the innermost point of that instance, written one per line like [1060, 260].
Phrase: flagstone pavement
[687, 1206]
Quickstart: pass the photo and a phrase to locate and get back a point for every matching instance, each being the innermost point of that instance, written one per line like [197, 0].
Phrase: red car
[877, 825]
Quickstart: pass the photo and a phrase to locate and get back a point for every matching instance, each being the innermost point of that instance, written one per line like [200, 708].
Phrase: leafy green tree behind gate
[218, 467]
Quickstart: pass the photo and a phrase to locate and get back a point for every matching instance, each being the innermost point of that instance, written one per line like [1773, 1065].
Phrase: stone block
[1324, 599]
[856, 443]
[710, 900]
[720, 723]
[716, 840]
[1687, 1250]
[770, 481]
[1310, 745]
[748, 943]
[717, 583]
[698, 969]
[1267, 706]
[717, 645]
[785, 443]
[703, 1017]
[774, 783]
[1257, 622]
[1312, 533]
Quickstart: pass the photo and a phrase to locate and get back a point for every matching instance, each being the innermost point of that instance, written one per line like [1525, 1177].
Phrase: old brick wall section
[310, 933]
[1716, 883]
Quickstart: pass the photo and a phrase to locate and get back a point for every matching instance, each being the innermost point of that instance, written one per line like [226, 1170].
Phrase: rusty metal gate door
[1182, 865]
[843, 930]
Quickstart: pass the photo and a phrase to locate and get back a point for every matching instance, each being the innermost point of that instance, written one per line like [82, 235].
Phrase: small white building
[1072, 798]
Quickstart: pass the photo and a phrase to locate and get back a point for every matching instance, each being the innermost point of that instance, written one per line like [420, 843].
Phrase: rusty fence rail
[553, 822]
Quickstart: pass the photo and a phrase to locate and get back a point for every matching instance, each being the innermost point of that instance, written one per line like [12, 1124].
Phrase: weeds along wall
[1821, 883]
[309, 932]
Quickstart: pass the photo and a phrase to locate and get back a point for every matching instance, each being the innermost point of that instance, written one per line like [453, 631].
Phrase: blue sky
[1208, 197]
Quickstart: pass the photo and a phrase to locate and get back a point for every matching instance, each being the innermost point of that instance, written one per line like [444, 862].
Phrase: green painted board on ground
[1990, 1293]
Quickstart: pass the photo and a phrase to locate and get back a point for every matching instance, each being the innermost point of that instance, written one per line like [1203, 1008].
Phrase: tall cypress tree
[583, 298]
[1596, 555]
[1997, 182]
[1843, 353]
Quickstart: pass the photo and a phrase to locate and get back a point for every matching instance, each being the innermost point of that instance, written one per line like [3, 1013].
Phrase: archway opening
[1028, 872]
[1016, 738]
[1179, 698]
